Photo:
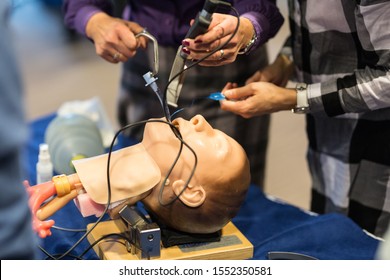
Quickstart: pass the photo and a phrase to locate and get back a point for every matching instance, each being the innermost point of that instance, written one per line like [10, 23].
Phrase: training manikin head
[212, 197]
[218, 187]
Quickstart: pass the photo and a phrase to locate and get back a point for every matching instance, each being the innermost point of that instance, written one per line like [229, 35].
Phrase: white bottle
[44, 165]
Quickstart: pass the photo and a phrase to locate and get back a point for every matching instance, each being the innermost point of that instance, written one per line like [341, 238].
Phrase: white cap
[44, 154]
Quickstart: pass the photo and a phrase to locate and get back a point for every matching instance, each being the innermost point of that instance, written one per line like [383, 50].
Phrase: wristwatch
[302, 106]
[249, 45]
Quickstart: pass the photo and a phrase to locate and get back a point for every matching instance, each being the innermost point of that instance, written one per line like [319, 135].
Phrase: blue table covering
[269, 224]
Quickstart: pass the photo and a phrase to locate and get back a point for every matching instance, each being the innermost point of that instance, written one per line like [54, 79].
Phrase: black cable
[102, 238]
[163, 184]
[46, 252]
[123, 236]
[67, 253]
[69, 229]
[53, 256]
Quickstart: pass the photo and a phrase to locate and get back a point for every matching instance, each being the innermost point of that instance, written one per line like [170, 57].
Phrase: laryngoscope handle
[202, 21]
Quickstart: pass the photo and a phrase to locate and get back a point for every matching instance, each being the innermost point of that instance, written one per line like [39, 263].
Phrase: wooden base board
[232, 246]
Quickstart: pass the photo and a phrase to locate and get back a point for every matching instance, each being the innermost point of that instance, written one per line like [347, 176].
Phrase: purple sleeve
[78, 12]
[264, 15]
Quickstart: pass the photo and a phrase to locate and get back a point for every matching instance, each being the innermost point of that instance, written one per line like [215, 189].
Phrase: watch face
[300, 110]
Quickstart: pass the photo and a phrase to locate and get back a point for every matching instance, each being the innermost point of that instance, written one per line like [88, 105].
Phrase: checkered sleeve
[368, 87]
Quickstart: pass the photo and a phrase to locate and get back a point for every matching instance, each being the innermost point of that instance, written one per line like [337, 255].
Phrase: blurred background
[58, 65]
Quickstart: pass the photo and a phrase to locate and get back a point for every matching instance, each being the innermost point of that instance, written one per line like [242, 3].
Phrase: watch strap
[249, 45]
[302, 98]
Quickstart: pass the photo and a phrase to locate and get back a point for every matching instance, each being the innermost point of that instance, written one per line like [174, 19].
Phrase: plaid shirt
[342, 50]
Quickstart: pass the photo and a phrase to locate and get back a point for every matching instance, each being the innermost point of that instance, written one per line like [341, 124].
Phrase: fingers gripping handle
[202, 21]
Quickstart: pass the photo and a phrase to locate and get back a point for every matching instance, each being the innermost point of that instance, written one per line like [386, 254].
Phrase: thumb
[239, 93]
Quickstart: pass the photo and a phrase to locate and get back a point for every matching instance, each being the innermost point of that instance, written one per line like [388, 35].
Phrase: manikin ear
[192, 196]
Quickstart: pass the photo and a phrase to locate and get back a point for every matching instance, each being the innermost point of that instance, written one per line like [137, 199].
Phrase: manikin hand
[37, 195]
[258, 98]
[277, 73]
[221, 28]
[114, 38]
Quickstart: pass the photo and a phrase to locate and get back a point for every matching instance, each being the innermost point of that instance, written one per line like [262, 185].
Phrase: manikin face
[212, 147]
[218, 186]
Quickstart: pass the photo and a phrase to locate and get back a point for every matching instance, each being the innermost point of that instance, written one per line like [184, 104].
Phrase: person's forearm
[265, 17]
[364, 90]
[78, 12]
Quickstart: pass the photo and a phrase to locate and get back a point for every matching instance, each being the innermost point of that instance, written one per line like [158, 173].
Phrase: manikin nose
[201, 124]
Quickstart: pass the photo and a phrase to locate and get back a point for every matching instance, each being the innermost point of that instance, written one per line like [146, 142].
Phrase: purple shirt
[169, 21]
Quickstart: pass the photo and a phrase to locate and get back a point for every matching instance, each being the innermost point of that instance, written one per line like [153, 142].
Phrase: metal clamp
[145, 237]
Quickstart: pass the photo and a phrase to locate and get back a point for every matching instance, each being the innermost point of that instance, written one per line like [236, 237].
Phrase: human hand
[114, 38]
[277, 73]
[220, 30]
[257, 99]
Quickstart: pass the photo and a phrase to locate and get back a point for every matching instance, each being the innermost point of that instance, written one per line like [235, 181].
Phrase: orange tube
[54, 205]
